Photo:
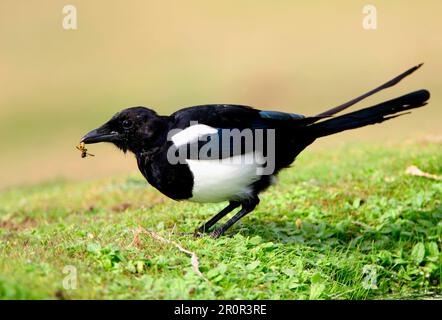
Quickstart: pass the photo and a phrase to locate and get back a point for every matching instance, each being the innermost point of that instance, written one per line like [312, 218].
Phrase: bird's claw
[195, 234]
[201, 232]
[215, 234]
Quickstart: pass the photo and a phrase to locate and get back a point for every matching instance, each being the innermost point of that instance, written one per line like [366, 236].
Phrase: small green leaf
[316, 278]
[253, 265]
[433, 250]
[289, 272]
[294, 285]
[356, 203]
[218, 278]
[255, 240]
[140, 266]
[222, 268]
[418, 252]
[385, 257]
[212, 273]
[316, 290]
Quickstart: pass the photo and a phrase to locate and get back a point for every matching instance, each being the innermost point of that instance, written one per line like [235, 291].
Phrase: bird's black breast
[173, 180]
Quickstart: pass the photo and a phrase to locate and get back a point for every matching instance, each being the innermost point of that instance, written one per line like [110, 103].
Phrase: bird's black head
[131, 129]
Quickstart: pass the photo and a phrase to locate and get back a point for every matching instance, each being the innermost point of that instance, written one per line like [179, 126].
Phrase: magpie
[168, 149]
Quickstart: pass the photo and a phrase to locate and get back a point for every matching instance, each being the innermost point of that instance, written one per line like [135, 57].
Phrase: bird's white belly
[224, 179]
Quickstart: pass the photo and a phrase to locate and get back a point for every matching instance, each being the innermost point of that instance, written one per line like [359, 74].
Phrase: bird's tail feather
[376, 114]
[386, 85]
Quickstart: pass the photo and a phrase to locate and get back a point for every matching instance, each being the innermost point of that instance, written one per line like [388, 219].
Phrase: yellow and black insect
[83, 150]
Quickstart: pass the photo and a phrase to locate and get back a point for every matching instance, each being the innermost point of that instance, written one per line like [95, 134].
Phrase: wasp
[83, 150]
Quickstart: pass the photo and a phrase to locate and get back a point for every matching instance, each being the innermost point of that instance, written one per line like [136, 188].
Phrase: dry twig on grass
[193, 257]
[415, 171]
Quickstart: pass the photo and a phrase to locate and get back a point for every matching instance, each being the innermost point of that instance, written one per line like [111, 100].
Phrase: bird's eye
[127, 124]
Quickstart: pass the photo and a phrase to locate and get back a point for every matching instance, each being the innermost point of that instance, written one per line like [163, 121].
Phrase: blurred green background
[298, 56]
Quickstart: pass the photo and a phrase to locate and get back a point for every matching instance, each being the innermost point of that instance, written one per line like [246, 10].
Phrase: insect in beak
[83, 150]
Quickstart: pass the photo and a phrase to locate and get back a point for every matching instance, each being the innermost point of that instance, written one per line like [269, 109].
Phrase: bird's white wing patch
[192, 134]
[224, 179]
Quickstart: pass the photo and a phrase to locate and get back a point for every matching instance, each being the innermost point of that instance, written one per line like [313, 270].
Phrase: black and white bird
[169, 149]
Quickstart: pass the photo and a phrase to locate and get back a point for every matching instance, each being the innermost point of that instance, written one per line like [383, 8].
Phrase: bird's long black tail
[376, 114]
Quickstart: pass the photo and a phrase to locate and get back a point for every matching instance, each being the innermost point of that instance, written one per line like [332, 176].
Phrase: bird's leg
[206, 226]
[247, 207]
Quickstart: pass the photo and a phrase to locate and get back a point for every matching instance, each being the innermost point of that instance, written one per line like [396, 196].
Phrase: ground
[346, 223]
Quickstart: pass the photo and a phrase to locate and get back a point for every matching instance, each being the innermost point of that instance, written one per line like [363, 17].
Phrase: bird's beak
[102, 134]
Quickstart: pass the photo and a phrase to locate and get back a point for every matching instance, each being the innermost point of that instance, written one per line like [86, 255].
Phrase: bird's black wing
[235, 116]
[217, 124]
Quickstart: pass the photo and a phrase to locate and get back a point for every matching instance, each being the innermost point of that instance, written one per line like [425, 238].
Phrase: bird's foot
[215, 234]
[195, 234]
[198, 233]
[203, 231]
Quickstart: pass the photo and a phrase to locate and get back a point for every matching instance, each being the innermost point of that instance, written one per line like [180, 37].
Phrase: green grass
[362, 219]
